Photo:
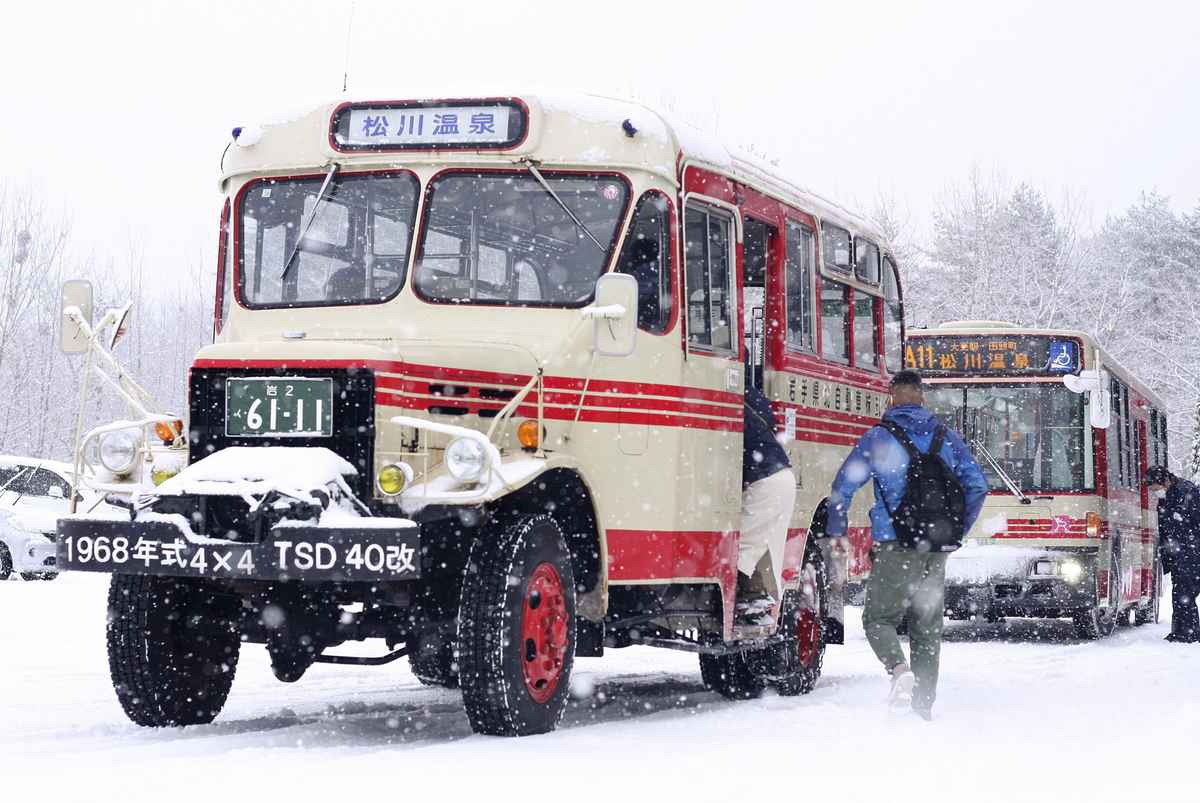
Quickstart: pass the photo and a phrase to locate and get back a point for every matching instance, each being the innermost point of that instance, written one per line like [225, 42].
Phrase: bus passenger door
[713, 371]
[1140, 557]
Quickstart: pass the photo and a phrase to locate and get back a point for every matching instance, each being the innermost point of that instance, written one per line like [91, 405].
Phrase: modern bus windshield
[1035, 431]
[353, 239]
[502, 238]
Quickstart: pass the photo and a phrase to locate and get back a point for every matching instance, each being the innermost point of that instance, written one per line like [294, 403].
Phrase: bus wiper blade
[1007, 480]
[308, 223]
[545, 186]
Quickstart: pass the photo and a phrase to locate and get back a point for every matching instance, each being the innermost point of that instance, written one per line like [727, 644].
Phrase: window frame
[418, 240]
[239, 272]
[847, 323]
[809, 295]
[878, 262]
[712, 207]
[223, 272]
[889, 305]
[876, 332]
[672, 286]
[827, 253]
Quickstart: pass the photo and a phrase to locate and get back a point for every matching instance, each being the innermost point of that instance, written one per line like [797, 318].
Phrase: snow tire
[173, 649]
[804, 655]
[6, 564]
[511, 687]
[1094, 622]
[1148, 614]
[435, 663]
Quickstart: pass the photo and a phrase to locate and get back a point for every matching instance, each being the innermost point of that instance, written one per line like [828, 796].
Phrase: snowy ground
[1026, 713]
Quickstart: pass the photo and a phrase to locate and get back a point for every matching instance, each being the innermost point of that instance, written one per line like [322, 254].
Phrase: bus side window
[835, 247]
[708, 237]
[799, 280]
[1117, 458]
[835, 321]
[866, 267]
[864, 331]
[757, 239]
[893, 318]
[646, 256]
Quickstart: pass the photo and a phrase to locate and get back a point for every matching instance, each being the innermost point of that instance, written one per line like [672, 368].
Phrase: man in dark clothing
[768, 496]
[904, 581]
[1179, 548]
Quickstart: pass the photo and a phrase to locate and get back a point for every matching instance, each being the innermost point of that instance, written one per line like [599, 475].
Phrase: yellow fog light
[161, 475]
[528, 434]
[393, 478]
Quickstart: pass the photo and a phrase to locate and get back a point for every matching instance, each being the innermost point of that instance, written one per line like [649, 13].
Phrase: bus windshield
[353, 251]
[502, 238]
[1035, 431]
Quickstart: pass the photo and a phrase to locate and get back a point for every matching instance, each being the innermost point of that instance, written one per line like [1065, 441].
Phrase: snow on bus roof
[687, 139]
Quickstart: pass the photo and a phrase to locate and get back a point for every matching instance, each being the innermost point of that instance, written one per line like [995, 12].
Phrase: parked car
[33, 494]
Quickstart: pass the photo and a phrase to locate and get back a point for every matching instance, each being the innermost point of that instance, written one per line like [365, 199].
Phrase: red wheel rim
[808, 637]
[543, 632]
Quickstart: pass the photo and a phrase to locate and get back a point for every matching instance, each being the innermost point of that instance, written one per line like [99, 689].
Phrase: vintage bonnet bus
[476, 390]
[1064, 434]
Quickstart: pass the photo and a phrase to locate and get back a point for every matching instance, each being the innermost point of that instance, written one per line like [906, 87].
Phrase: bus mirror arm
[1095, 383]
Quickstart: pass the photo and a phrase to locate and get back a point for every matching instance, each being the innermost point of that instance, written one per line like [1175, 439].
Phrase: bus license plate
[279, 407]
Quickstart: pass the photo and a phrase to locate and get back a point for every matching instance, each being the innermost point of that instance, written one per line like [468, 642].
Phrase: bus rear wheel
[434, 662]
[516, 631]
[173, 649]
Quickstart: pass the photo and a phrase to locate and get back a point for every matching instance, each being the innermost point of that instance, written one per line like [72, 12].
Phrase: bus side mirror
[76, 298]
[1096, 384]
[614, 315]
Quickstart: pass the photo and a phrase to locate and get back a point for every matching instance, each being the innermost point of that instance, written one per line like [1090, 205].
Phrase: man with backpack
[928, 492]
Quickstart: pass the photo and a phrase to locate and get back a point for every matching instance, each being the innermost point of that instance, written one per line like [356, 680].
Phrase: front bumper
[1018, 596]
[289, 551]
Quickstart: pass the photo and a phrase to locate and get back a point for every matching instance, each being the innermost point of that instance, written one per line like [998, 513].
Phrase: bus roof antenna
[346, 63]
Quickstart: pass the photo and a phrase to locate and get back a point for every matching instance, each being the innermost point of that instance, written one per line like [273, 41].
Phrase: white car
[33, 494]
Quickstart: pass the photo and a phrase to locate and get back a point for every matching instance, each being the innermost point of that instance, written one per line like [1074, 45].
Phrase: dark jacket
[762, 455]
[1179, 529]
[880, 457]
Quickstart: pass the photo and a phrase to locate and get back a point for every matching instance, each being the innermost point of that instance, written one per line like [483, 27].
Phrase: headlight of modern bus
[466, 458]
[118, 451]
[1071, 570]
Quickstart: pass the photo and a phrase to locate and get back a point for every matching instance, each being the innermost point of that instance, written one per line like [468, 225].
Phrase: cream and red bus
[476, 390]
[1064, 434]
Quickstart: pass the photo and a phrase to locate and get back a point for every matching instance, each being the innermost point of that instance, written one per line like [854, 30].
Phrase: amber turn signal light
[168, 432]
[528, 434]
[1093, 524]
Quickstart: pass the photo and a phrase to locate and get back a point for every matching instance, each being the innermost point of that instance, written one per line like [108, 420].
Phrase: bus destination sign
[402, 126]
[993, 355]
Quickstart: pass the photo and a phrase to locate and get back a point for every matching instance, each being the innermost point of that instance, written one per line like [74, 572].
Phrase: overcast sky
[119, 112]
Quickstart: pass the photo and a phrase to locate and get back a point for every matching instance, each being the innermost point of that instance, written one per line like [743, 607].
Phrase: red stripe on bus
[667, 554]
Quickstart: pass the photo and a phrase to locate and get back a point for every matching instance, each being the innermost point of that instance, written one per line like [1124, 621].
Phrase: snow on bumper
[369, 550]
[30, 551]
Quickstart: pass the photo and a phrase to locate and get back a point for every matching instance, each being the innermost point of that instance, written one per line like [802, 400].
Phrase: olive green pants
[904, 581]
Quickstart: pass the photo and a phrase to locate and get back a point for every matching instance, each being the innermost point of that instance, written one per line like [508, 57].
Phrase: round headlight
[1071, 570]
[466, 458]
[393, 477]
[118, 451]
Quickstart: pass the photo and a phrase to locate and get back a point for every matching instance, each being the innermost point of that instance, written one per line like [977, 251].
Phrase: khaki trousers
[907, 582]
[766, 513]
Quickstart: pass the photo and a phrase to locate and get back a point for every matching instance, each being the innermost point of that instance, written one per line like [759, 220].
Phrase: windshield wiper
[545, 186]
[1007, 480]
[308, 223]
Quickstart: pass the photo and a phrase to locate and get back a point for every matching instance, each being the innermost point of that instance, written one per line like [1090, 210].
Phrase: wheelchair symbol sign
[1063, 357]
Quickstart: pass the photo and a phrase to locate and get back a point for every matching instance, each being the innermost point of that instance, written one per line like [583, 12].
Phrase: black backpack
[930, 516]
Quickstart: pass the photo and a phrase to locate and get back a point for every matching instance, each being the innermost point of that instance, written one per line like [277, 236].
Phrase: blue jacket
[880, 457]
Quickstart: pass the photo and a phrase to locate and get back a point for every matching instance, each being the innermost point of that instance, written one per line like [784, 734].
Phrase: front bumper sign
[362, 554]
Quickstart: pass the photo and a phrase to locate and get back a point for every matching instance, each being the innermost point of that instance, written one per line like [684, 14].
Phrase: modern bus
[1064, 434]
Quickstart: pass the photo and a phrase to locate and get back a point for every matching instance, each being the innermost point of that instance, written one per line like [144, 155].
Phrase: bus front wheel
[516, 630]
